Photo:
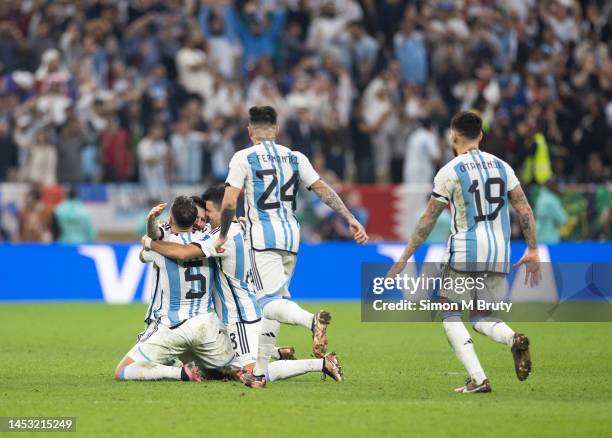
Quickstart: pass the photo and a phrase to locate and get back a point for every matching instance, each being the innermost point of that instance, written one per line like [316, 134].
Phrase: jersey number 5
[194, 294]
[498, 201]
[290, 185]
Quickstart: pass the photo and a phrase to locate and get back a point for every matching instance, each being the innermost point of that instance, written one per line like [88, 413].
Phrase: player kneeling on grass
[182, 323]
[240, 334]
[234, 299]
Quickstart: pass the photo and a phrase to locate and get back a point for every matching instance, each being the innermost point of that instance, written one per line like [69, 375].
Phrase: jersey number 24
[290, 185]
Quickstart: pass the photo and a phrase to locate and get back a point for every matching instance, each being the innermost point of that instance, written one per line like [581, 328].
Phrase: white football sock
[284, 369]
[463, 346]
[267, 339]
[288, 312]
[495, 329]
[150, 371]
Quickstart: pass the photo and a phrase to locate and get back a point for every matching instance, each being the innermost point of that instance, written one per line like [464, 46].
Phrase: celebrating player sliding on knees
[479, 187]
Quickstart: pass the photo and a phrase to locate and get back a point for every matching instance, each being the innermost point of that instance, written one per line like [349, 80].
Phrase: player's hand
[146, 242]
[357, 230]
[396, 269]
[157, 210]
[531, 260]
[219, 242]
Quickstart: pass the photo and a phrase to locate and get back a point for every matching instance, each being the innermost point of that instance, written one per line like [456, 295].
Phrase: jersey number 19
[498, 201]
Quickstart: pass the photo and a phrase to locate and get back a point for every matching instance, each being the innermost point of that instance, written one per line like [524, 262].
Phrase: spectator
[334, 145]
[41, 167]
[259, 38]
[303, 136]
[329, 24]
[152, 162]
[422, 155]
[221, 146]
[72, 221]
[192, 67]
[411, 52]
[116, 160]
[596, 171]
[225, 50]
[379, 117]
[69, 148]
[549, 214]
[361, 52]
[34, 219]
[539, 72]
[186, 148]
[8, 153]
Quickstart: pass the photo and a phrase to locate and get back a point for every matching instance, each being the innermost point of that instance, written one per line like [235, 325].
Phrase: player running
[271, 175]
[235, 302]
[479, 187]
[184, 326]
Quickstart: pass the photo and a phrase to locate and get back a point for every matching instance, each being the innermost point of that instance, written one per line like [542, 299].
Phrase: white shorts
[491, 287]
[272, 271]
[201, 338]
[245, 341]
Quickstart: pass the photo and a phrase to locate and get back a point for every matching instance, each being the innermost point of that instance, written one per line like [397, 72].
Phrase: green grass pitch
[58, 360]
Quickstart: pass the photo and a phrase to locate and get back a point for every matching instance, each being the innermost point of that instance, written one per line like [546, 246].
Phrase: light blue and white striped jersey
[476, 184]
[233, 297]
[181, 290]
[270, 174]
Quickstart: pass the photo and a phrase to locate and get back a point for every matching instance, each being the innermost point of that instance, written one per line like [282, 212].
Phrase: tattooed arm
[531, 259]
[518, 200]
[228, 212]
[331, 198]
[423, 228]
[152, 225]
[333, 201]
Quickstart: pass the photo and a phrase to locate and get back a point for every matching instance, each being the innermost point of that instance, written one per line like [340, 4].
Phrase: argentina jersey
[181, 290]
[234, 300]
[476, 184]
[271, 175]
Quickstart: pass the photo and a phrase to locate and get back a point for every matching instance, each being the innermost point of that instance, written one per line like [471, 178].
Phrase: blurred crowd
[156, 92]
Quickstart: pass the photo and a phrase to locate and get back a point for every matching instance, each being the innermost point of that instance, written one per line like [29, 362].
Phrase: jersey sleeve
[238, 171]
[149, 256]
[512, 180]
[165, 230]
[442, 190]
[207, 245]
[308, 176]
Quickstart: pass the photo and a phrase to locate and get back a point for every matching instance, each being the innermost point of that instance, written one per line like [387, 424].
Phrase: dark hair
[35, 193]
[184, 211]
[199, 202]
[262, 115]
[468, 124]
[214, 194]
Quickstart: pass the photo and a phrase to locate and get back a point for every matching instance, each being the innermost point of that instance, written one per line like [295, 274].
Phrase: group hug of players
[221, 291]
